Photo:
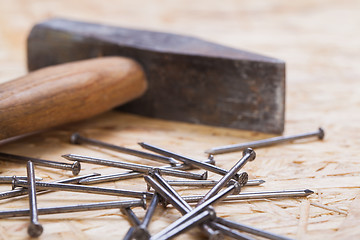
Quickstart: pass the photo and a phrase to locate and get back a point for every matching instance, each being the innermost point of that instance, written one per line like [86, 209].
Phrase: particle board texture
[319, 40]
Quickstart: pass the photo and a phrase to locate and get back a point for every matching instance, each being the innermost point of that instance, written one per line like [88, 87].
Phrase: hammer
[83, 69]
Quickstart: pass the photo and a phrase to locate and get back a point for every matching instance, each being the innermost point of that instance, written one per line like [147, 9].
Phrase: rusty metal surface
[190, 79]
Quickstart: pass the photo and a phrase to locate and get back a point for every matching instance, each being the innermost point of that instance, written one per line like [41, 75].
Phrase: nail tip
[308, 191]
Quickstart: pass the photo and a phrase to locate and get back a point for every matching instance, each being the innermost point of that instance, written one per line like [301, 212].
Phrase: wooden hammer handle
[66, 93]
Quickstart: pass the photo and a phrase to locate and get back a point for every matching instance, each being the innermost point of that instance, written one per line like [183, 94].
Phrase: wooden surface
[320, 43]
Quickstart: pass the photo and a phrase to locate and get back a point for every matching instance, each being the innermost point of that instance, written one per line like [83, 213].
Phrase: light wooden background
[320, 42]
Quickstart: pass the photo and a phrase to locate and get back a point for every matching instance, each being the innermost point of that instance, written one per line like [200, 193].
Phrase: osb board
[318, 40]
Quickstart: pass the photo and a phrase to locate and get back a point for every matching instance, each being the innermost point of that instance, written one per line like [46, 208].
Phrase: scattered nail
[76, 208]
[75, 167]
[9, 179]
[257, 195]
[35, 229]
[265, 142]
[84, 189]
[135, 167]
[206, 166]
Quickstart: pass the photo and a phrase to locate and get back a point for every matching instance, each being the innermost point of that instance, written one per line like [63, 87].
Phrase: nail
[198, 209]
[76, 208]
[265, 142]
[184, 206]
[248, 229]
[141, 232]
[230, 232]
[131, 216]
[35, 229]
[8, 179]
[135, 167]
[257, 195]
[186, 160]
[193, 222]
[76, 138]
[75, 167]
[23, 191]
[210, 183]
[248, 155]
[84, 189]
[131, 174]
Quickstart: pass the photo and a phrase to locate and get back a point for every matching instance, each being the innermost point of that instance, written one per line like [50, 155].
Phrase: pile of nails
[201, 214]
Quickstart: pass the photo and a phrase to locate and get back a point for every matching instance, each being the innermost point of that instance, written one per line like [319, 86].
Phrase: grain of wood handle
[66, 93]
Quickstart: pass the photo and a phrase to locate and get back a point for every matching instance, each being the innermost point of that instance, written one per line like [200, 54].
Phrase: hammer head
[189, 79]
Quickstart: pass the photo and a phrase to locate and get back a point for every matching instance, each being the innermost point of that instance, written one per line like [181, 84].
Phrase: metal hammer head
[189, 79]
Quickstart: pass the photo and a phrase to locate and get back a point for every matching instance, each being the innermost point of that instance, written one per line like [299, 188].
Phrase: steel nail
[320, 133]
[9, 179]
[141, 232]
[151, 210]
[75, 167]
[186, 160]
[35, 229]
[195, 211]
[23, 191]
[256, 195]
[84, 189]
[76, 138]
[195, 221]
[210, 183]
[76, 208]
[248, 155]
[249, 229]
[131, 174]
[135, 167]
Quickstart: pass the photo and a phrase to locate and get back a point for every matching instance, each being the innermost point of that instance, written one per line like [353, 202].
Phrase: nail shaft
[131, 174]
[131, 216]
[256, 195]
[209, 183]
[135, 167]
[8, 179]
[252, 230]
[76, 138]
[35, 229]
[141, 232]
[84, 189]
[186, 160]
[75, 167]
[23, 191]
[264, 143]
[75, 208]
[248, 155]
